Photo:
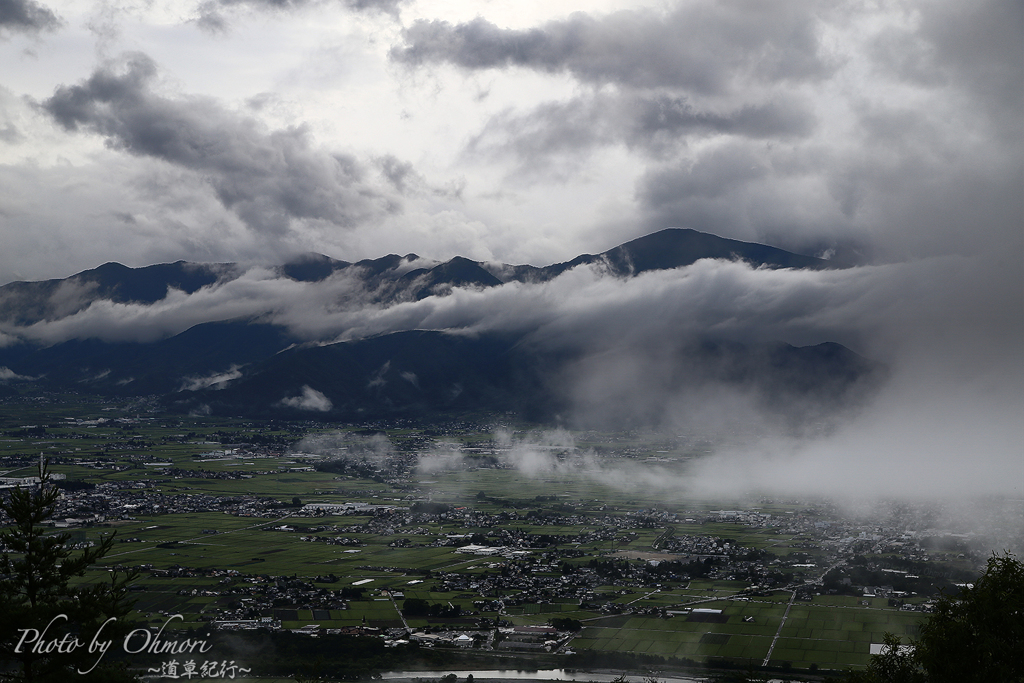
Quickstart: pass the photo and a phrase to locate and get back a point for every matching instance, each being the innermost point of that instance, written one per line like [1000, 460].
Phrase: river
[539, 675]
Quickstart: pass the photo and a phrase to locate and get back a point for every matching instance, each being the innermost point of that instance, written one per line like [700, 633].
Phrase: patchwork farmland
[296, 528]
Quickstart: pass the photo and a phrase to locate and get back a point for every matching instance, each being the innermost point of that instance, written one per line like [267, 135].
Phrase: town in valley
[486, 544]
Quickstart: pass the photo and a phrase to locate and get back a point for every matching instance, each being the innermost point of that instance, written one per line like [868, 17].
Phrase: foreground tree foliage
[40, 601]
[896, 664]
[976, 636]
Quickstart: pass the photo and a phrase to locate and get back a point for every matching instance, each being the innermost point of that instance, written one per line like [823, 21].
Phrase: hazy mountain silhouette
[23, 303]
[251, 367]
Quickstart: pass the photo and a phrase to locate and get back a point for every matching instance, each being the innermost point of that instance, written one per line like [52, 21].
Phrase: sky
[525, 132]
[888, 133]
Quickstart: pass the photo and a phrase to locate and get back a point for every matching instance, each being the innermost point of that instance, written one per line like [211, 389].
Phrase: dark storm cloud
[212, 18]
[910, 188]
[698, 47]
[914, 150]
[656, 125]
[387, 6]
[268, 178]
[666, 116]
[26, 16]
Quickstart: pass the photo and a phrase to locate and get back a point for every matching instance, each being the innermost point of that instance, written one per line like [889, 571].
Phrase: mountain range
[239, 352]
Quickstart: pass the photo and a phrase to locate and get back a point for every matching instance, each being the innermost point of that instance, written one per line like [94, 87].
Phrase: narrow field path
[642, 597]
[401, 616]
[771, 647]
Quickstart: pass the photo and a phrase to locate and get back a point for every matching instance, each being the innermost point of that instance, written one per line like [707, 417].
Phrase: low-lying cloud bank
[375, 450]
[949, 329]
[8, 375]
[310, 399]
[871, 468]
[217, 380]
[937, 452]
[881, 310]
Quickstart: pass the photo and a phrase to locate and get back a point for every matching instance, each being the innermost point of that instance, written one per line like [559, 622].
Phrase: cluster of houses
[529, 567]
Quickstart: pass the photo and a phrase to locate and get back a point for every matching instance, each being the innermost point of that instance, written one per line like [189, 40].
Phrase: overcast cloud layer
[523, 132]
[889, 134]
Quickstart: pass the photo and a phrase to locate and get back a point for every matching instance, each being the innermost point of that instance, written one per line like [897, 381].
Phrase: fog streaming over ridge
[945, 420]
[883, 311]
[722, 298]
[890, 135]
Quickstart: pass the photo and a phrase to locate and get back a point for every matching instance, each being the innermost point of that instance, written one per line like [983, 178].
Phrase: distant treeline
[353, 468]
[910, 576]
[430, 508]
[416, 607]
[27, 431]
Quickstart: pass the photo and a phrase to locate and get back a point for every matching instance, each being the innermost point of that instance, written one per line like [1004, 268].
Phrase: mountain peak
[677, 247]
[312, 267]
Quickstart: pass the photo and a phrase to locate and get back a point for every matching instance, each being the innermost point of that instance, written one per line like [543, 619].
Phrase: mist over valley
[676, 339]
[678, 332]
